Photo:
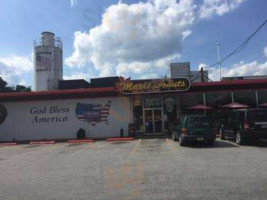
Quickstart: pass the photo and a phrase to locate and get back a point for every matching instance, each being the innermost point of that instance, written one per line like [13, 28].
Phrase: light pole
[219, 60]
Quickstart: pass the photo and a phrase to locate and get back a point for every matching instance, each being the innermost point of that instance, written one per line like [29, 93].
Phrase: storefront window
[169, 111]
[247, 98]
[191, 100]
[138, 113]
[262, 96]
[217, 99]
[152, 102]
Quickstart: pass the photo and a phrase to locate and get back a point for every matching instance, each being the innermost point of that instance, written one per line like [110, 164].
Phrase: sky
[131, 38]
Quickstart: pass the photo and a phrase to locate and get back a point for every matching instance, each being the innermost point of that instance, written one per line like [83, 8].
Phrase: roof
[104, 82]
[219, 86]
[73, 84]
[58, 94]
[235, 85]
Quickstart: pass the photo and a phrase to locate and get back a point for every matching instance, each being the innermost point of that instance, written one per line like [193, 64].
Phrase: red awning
[235, 105]
[199, 107]
[264, 104]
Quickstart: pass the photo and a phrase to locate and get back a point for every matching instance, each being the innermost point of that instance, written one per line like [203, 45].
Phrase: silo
[47, 62]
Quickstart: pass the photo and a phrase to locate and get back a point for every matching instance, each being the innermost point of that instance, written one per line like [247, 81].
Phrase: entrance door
[153, 121]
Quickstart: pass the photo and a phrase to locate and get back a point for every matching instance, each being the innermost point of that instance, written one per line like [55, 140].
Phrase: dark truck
[245, 125]
[193, 128]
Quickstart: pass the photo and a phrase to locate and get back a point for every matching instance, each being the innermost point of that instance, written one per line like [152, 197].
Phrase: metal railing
[57, 41]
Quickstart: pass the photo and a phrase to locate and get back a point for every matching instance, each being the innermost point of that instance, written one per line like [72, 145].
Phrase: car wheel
[174, 137]
[222, 137]
[239, 139]
[181, 141]
[210, 142]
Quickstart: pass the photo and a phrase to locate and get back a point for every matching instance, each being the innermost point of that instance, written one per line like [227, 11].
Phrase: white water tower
[47, 62]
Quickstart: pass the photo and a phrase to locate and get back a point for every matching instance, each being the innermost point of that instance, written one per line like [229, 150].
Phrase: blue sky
[130, 38]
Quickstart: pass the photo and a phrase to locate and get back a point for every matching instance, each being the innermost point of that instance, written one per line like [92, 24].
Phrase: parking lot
[139, 169]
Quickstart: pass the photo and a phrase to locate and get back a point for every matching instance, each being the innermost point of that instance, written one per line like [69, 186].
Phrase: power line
[242, 46]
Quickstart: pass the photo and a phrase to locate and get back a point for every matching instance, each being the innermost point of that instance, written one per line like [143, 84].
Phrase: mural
[3, 113]
[93, 113]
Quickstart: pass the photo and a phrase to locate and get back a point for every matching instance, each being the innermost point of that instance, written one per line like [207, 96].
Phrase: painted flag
[92, 113]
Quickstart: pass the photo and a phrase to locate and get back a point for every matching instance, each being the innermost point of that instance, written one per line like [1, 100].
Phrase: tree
[22, 88]
[18, 88]
[2, 84]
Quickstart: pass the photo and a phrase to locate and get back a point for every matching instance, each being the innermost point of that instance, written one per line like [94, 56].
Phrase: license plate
[200, 138]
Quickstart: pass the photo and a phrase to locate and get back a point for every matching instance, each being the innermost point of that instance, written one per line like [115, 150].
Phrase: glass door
[153, 121]
[157, 120]
[149, 121]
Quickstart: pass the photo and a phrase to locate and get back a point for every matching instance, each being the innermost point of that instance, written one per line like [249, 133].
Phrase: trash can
[121, 132]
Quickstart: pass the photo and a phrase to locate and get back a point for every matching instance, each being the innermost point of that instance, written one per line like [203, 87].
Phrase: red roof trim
[111, 91]
[236, 82]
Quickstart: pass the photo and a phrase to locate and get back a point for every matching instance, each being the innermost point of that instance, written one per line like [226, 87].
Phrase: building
[152, 106]
[107, 107]
[233, 78]
[183, 70]
[47, 62]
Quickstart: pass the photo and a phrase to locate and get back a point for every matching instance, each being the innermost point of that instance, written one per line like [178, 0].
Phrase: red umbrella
[235, 105]
[264, 104]
[199, 107]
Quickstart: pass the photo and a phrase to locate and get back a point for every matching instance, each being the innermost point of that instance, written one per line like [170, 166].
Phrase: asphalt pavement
[144, 169]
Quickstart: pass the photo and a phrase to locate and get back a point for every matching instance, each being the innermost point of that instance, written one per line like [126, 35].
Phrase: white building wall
[38, 120]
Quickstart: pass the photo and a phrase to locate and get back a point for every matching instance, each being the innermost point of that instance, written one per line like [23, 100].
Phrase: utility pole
[219, 60]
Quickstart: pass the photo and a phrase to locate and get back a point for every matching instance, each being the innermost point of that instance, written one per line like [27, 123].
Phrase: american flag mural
[92, 113]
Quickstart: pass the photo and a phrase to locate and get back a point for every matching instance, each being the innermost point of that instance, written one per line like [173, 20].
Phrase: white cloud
[210, 8]
[265, 51]
[144, 70]
[241, 69]
[73, 3]
[133, 38]
[203, 65]
[13, 69]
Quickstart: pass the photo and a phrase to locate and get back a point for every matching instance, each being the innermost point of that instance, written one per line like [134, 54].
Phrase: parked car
[245, 125]
[193, 128]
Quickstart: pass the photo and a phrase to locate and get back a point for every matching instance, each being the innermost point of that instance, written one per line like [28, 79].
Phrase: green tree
[18, 88]
[2, 84]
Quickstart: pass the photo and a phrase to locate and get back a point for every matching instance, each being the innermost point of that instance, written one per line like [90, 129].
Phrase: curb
[80, 141]
[9, 144]
[43, 142]
[119, 139]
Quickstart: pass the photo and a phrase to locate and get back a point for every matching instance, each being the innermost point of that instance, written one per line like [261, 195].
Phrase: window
[218, 99]
[191, 100]
[262, 96]
[247, 98]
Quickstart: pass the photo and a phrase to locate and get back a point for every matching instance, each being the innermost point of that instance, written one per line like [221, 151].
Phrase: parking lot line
[39, 150]
[135, 146]
[77, 152]
[171, 147]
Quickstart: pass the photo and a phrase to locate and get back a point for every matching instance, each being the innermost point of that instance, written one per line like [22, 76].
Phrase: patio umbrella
[263, 104]
[200, 107]
[235, 105]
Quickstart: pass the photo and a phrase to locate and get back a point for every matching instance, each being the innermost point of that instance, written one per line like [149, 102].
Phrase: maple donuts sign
[154, 86]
